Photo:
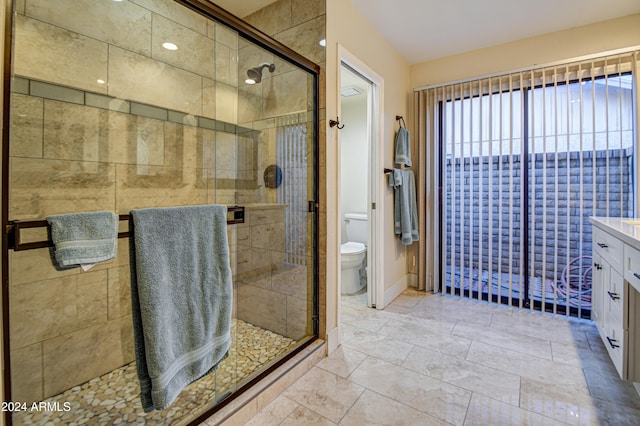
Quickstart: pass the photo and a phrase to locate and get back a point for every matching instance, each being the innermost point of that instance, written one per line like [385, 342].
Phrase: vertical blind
[520, 163]
[291, 153]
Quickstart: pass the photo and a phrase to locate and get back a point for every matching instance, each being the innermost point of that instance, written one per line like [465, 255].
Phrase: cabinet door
[615, 339]
[599, 287]
[609, 248]
[632, 266]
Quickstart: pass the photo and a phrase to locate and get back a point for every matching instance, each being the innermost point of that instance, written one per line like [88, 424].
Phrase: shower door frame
[245, 30]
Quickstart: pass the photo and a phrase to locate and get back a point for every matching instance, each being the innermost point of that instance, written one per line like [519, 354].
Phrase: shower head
[254, 75]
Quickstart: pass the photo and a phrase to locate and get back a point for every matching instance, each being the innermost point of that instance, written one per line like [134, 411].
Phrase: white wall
[348, 28]
[354, 151]
[548, 48]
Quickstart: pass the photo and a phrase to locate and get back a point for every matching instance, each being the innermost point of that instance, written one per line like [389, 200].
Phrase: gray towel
[403, 147]
[181, 292]
[406, 209]
[83, 238]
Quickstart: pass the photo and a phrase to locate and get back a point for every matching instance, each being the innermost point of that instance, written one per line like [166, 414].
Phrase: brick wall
[578, 185]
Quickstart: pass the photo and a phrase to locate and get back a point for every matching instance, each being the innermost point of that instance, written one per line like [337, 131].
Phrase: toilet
[353, 252]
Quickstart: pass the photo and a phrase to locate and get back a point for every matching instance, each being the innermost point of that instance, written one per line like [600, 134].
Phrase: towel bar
[15, 227]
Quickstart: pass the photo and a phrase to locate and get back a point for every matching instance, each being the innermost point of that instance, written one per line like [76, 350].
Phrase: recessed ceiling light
[101, 81]
[169, 46]
[323, 42]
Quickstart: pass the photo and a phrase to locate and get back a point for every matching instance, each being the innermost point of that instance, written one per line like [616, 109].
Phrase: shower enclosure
[121, 105]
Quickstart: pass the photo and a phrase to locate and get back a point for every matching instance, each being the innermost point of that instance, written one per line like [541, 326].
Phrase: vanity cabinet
[632, 279]
[608, 297]
[614, 309]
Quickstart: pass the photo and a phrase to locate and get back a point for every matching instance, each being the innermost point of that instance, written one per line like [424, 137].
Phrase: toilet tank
[357, 227]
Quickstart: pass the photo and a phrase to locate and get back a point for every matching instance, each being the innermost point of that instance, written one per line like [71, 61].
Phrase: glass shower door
[145, 104]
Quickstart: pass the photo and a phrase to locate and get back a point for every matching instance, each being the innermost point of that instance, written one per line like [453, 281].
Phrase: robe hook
[336, 122]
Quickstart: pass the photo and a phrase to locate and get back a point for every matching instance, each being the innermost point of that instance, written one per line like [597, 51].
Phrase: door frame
[375, 264]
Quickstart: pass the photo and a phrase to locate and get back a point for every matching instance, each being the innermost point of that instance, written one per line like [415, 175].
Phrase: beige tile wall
[271, 294]
[195, 51]
[66, 327]
[300, 25]
[27, 122]
[175, 12]
[41, 187]
[50, 53]
[77, 46]
[69, 327]
[96, 19]
[284, 297]
[157, 83]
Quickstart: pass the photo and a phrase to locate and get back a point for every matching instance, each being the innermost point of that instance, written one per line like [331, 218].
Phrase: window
[525, 160]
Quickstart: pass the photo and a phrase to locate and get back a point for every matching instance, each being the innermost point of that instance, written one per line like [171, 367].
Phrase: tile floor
[114, 398]
[437, 360]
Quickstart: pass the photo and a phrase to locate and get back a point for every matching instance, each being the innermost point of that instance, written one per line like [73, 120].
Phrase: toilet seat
[352, 248]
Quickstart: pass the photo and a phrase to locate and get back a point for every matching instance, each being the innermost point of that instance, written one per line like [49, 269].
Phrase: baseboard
[412, 280]
[333, 339]
[248, 404]
[396, 290]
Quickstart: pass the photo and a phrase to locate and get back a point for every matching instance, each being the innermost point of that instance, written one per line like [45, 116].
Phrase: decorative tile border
[80, 97]
[57, 92]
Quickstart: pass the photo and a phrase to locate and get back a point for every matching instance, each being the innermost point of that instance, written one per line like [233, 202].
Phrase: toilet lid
[352, 248]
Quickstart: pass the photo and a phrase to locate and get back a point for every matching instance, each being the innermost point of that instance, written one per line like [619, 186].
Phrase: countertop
[626, 229]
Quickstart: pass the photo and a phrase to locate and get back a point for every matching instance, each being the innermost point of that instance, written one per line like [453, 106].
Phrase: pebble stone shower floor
[113, 398]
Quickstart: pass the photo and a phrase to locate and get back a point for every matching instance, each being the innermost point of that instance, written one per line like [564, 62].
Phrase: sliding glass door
[526, 158]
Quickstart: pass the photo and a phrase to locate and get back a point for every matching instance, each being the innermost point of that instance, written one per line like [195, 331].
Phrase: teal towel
[83, 238]
[405, 207]
[181, 292]
[403, 147]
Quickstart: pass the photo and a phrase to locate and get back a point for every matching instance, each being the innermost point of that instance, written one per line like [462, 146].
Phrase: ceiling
[353, 88]
[242, 8]
[421, 30]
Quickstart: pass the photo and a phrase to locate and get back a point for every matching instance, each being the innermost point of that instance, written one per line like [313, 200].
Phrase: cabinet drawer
[609, 247]
[632, 266]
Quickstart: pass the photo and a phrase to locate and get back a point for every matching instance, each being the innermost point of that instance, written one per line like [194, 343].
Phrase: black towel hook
[401, 120]
[336, 122]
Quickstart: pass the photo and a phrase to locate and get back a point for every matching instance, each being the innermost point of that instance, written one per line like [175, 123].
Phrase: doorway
[359, 109]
